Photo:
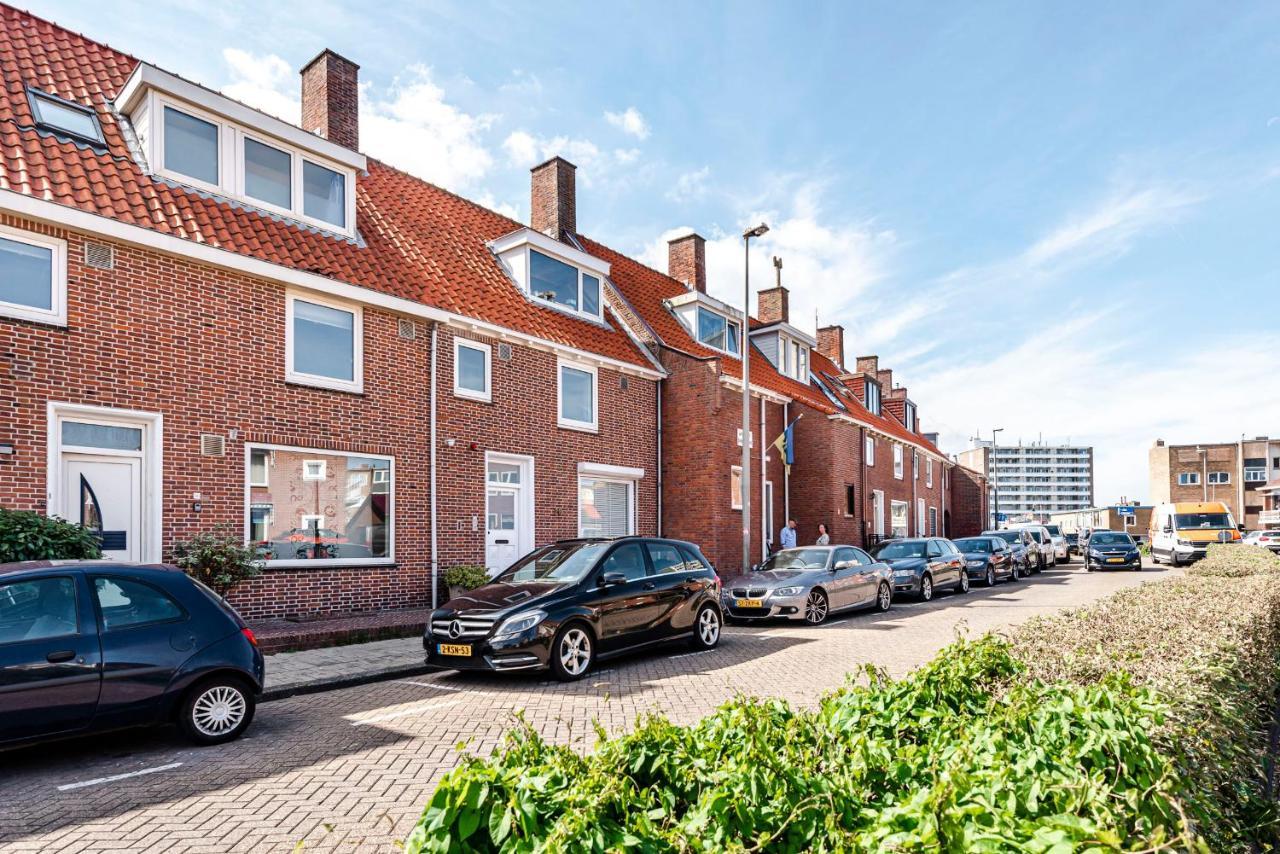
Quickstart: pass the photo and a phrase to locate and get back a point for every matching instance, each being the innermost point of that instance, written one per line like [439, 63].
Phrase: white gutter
[756, 390]
[51, 212]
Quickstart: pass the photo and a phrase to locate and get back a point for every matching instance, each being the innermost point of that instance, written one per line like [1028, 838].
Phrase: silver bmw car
[810, 584]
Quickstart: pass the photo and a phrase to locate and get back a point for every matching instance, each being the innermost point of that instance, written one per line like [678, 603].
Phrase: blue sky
[1056, 219]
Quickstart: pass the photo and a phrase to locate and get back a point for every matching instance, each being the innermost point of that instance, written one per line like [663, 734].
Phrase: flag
[786, 444]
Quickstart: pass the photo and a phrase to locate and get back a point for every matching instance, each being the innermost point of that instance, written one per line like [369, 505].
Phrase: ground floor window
[606, 507]
[311, 505]
[933, 521]
[898, 518]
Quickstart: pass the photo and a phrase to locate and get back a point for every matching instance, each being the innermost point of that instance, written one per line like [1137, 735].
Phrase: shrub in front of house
[1139, 723]
[459, 579]
[217, 558]
[27, 535]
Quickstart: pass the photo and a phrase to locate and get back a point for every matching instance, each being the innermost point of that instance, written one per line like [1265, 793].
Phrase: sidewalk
[280, 635]
[310, 670]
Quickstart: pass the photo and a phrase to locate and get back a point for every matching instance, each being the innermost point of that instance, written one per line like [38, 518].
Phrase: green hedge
[1136, 724]
[27, 535]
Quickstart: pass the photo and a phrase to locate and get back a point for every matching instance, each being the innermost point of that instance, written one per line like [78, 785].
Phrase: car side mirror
[755, 567]
[612, 579]
[1167, 529]
[843, 564]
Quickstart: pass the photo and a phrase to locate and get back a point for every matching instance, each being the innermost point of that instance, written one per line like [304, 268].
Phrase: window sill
[578, 426]
[297, 382]
[335, 563]
[14, 312]
[474, 397]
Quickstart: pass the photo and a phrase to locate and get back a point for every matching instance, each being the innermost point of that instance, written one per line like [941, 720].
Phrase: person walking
[788, 538]
[824, 536]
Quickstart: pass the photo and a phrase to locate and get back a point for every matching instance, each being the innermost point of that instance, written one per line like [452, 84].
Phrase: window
[605, 507]
[717, 331]
[259, 465]
[919, 516]
[666, 558]
[897, 462]
[324, 194]
[471, 361]
[802, 363]
[38, 609]
[735, 488]
[933, 521]
[65, 117]
[1255, 475]
[33, 277]
[126, 604]
[628, 560]
[81, 434]
[873, 397]
[339, 507]
[324, 345]
[928, 474]
[577, 397]
[563, 284]
[1188, 478]
[871, 451]
[693, 559]
[850, 500]
[909, 416]
[268, 174]
[1219, 477]
[842, 556]
[898, 511]
[191, 146]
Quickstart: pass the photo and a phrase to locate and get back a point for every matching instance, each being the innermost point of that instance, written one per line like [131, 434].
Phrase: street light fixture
[744, 348]
[995, 485]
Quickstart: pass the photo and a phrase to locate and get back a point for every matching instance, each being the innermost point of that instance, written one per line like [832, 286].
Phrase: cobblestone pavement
[287, 671]
[349, 770]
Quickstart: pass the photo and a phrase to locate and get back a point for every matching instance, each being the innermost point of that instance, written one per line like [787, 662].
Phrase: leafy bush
[27, 535]
[218, 558]
[466, 577]
[1139, 723]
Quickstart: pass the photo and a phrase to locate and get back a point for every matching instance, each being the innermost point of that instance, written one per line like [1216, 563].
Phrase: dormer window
[718, 332]
[65, 117]
[554, 273]
[873, 397]
[909, 416]
[793, 359]
[563, 284]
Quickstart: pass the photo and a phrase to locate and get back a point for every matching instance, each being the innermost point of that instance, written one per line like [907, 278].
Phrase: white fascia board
[51, 212]
[147, 77]
[871, 428]
[788, 330]
[756, 390]
[709, 301]
[543, 243]
[606, 470]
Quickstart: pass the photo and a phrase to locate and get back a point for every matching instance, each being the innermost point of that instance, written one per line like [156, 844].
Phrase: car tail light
[249, 636]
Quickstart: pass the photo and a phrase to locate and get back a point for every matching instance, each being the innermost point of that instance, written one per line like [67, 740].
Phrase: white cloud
[690, 186]
[409, 124]
[522, 83]
[595, 165]
[629, 121]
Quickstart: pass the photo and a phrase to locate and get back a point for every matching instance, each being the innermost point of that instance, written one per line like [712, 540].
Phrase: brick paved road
[349, 770]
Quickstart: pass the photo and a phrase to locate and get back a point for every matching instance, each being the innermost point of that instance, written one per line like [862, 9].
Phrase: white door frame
[152, 456]
[877, 511]
[525, 512]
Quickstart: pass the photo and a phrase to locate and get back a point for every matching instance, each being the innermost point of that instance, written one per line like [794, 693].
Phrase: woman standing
[824, 538]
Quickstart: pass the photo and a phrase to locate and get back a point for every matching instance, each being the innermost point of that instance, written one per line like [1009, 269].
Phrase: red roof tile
[419, 242]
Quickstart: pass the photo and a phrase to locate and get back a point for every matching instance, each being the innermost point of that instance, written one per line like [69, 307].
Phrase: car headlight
[518, 623]
[1183, 542]
[976, 564]
[1094, 553]
[904, 572]
[788, 591]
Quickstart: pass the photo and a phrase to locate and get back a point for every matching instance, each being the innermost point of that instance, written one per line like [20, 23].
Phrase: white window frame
[323, 473]
[592, 426]
[932, 522]
[867, 386]
[735, 492]
[697, 326]
[909, 415]
[920, 518]
[878, 511]
[266, 468]
[390, 558]
[928, 473]
[1255, 475]
[907, 515]
[871, 451]
[231, 169]
[56, 314]
[1219, 477]
[898, 463]
[629, 482]
[485, 396]
[576, 312]
[356, 384]
[1188, 478]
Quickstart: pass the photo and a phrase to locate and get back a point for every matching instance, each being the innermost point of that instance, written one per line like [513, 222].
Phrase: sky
[1055, 219]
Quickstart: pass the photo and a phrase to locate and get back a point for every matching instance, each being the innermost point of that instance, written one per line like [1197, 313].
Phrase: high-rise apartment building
[1031, 481]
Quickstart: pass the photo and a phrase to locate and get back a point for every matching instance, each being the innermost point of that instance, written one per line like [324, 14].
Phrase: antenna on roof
[777, 266]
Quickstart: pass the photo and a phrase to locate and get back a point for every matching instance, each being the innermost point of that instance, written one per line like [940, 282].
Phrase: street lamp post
[744, 351]
[995, 484]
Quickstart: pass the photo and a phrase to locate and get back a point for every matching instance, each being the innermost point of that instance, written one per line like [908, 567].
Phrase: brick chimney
[831, 344]
[774, 305]
[553, 207]
[885, 378]
[687, 261]
[331, 99]
[868, 364]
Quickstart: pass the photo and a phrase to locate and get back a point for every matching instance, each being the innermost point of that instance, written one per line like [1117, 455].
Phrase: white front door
[502, 532]
[877, 504]
[104, 493]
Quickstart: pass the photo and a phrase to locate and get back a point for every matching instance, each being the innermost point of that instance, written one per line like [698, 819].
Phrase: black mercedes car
[988, 559]
[567, 605]
[90, 646]
[1112, 550]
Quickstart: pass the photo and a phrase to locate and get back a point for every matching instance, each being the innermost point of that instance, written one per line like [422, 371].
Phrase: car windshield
[1054, 530]
[1008, 536]
[1110, 538]
[893, 551]
[1037, 536]
[977, 544]
[1202, 520]
[798, 559]
[560, 564]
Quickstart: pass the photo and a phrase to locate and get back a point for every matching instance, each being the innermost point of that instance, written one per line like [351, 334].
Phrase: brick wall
[969, 511]
[828, 462]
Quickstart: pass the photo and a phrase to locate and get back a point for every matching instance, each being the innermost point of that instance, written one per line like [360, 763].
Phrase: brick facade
[970, 513]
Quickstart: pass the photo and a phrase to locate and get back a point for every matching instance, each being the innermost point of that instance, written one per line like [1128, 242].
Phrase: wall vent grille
[212, 445]
[407, 329]
[504, 352]
[100, 256]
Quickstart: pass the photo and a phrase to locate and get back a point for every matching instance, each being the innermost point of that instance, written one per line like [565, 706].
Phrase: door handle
[649, 585]
[60, 656]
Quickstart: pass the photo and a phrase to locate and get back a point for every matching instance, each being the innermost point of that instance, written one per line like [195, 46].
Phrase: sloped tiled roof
[418, 241]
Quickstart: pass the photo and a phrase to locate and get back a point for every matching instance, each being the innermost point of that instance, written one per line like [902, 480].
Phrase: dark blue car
[1112, 550]
[89, 646]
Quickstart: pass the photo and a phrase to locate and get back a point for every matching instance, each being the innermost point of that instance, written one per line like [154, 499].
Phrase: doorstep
[278, 635]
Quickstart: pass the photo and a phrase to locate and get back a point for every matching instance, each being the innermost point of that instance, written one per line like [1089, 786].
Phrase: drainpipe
[866, 493]
[435, 558]
[786, 474]
[657, 387]
[764, 477]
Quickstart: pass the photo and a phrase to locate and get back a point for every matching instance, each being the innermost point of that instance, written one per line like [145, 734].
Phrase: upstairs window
[191, 146]
[323, 344]
[871, 451]
[1219, 477]
[873, 397]
[909, 416]
[577, 398]
[716, 331]
[33, 277]
[563, 284]
[471, 370]
[1188, 478]
[897, 461]
[793, 358]
[65, 117]
[268, 174]
[324, 194]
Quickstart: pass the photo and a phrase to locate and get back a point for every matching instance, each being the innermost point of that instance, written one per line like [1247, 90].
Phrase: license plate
[1115, 560]
[454, 649]
[748, 603]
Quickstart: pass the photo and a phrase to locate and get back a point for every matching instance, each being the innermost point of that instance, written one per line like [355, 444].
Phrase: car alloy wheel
[991, 577]
[926, 588]
[707, 633]
[963, 586]
[573, 652]
[815, 607]
[884, 599]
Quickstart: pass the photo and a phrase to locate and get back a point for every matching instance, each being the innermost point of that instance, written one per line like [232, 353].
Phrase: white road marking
[687, 654]
[429, 685]
[403, 713]
[114, 777]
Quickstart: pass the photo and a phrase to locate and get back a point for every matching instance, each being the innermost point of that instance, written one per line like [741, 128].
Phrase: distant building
[1244, 475]
[1031, 482]
[1105, 519]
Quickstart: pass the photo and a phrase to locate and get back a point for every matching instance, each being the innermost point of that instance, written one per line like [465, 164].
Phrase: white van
[1182, 532]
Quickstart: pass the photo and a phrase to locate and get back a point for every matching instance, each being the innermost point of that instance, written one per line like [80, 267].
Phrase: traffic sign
[1002, 517]
[1124, 510]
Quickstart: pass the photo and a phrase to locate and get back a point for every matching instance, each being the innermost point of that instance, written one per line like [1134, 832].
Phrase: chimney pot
[687, 261]
[773, 305]
[553, 207]
[331, 99]
[831, 344]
